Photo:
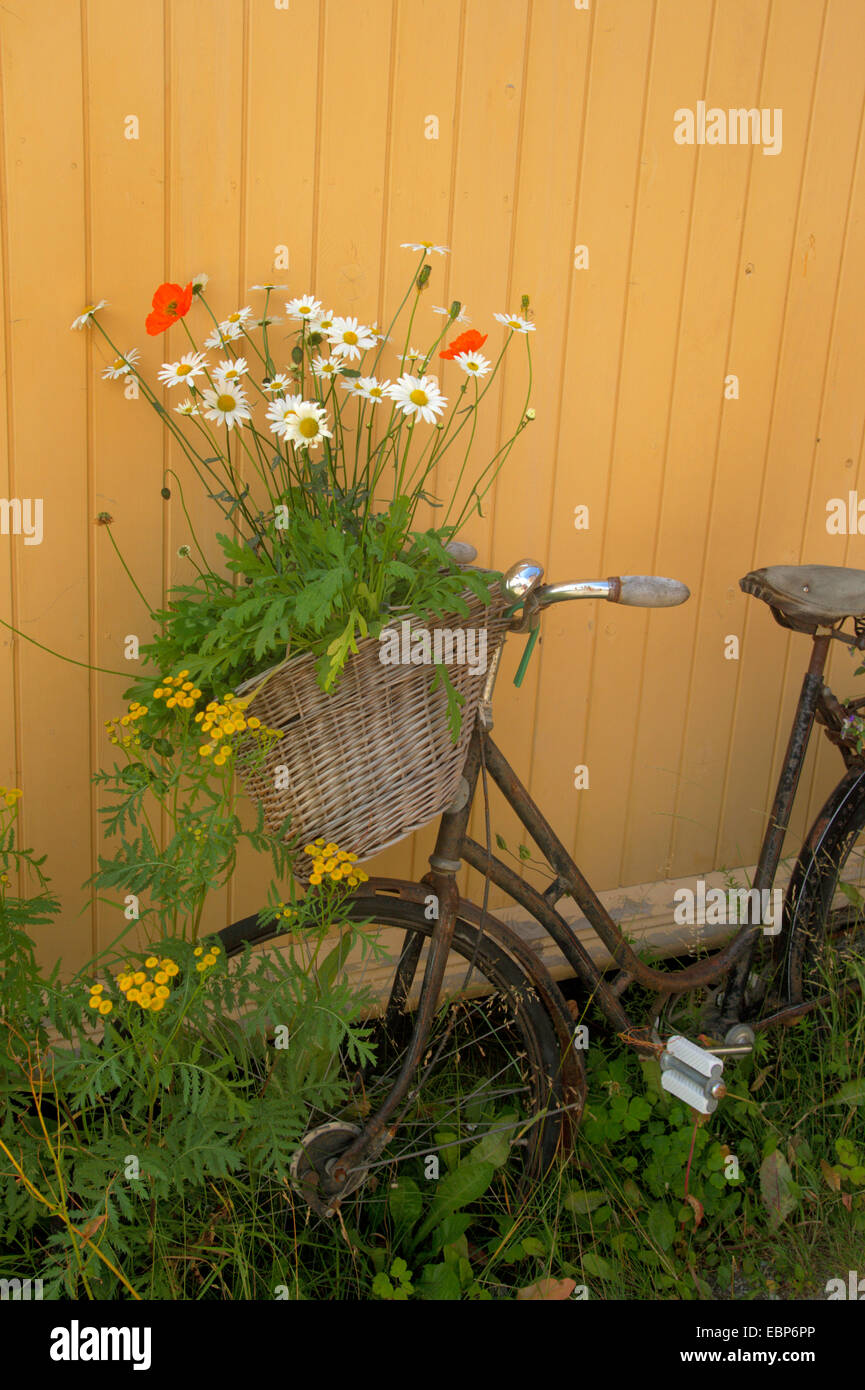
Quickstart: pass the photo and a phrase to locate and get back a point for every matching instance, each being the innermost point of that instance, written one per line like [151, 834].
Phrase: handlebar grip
[647, 591]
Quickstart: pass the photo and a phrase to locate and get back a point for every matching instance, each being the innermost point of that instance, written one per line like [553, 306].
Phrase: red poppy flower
[470, 341]
[170, 303]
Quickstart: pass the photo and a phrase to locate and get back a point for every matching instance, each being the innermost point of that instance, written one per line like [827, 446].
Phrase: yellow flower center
[419, 397]
[349, 336]
[472, 366]
[183, 369]
[225, 402]
[118, 363]
[308, 427]
[234, 318]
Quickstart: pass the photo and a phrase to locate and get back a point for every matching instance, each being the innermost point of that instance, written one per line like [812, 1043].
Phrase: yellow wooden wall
[302, 122]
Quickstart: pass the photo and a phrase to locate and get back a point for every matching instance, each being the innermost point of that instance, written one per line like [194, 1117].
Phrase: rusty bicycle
[491, 1056]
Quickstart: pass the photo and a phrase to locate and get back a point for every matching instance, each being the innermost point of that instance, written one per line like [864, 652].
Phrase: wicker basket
[373, 760]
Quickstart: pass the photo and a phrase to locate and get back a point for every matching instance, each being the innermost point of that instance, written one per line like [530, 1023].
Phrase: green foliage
[397, 1286]
[307, 597]
[19, 914]
[125, 1117]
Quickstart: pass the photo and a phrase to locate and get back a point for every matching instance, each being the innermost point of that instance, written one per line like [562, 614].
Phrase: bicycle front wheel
[491, 1069]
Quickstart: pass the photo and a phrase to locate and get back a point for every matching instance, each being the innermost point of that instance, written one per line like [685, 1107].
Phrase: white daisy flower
[515, 323]
[368, 388]
[380, 337]
[122, 366]
[322, 323]
[221, 336]
[276, 384]
[473, 363]
[187, 408]
[322, 368]
[281, 412]
[304, 308]
[84, 318]
[191, 365]
[424, 246]
[348, 338]
[237, 319]
[462, 316]
[227, 406]
[418, 395]
[307, 427]
[268, 287]
[231, 369]
[200, 283]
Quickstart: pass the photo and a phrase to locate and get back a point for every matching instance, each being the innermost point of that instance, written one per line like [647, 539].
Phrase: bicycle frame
[454, 847]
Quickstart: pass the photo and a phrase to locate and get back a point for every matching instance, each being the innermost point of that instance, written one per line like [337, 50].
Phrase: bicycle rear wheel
[822, 950]
[491, 1069]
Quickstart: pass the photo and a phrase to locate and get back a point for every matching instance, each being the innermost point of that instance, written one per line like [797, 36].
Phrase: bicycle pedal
[692, 1074]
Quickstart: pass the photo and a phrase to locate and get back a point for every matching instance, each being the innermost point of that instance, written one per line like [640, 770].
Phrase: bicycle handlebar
[632, 590]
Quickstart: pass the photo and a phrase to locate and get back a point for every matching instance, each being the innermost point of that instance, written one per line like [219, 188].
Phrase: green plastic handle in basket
[530, 645]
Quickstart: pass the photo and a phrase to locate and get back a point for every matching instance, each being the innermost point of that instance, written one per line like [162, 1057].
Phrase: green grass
[774, 1204]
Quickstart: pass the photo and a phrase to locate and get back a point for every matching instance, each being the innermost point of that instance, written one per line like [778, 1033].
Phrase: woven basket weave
[373, 760]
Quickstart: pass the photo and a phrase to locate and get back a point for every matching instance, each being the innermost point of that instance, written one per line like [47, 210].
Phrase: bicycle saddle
[805, 597]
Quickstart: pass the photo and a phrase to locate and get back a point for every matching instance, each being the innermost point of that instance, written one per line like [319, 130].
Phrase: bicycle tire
[814, 924]
[535, 1051]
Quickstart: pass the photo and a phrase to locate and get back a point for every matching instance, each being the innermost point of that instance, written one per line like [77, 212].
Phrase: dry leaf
[548, 1290]
[697, 1206]
[776, 1182]
[832, 1178]
[89, 1230]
